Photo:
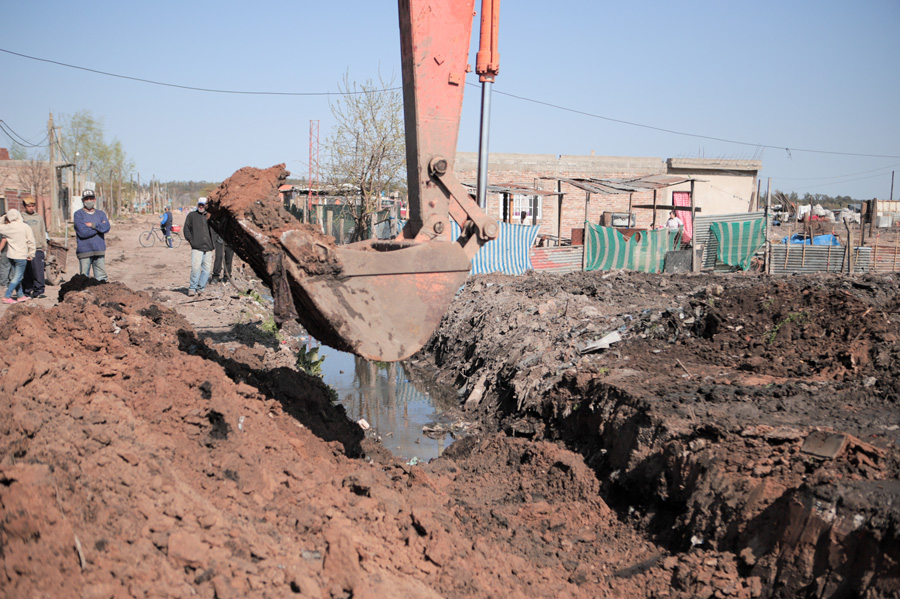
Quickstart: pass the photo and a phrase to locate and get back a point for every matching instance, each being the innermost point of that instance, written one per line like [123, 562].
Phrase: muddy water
[395, 407]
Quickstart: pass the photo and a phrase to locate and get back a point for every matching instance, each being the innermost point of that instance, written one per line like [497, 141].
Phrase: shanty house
[560, 192]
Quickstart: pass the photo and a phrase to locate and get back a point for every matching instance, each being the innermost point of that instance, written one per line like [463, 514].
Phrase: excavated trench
[741, 416]
[740, 441]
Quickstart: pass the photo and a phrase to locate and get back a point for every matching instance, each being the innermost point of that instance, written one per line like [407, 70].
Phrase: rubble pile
[729, 414]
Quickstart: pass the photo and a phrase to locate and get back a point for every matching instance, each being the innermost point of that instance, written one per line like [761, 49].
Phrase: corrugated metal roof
[618, 185]
[516, 189]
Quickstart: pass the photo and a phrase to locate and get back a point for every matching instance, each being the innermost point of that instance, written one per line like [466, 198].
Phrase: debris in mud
[703, 421]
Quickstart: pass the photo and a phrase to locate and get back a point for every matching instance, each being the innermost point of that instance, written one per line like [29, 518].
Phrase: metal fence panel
[886, 258]
[809, 259]
[557, 259]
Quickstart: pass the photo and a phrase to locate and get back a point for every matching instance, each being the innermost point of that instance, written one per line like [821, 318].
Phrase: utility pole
[56, 225]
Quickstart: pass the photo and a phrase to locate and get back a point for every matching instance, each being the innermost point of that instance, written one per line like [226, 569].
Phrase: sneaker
[8, 300]
[38, 296]
[192, 292]
[24, 298]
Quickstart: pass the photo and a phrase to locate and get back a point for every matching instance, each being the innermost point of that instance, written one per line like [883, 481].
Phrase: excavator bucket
[381, 300]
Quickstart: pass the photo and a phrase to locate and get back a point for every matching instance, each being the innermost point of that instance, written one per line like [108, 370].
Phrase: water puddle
[396, 407]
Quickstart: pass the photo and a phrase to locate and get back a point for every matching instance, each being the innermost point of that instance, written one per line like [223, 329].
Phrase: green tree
[366, 149]
[83, 143]
[17, 152]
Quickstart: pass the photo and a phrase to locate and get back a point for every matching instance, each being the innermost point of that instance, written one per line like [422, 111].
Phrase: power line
[4, 126]
[190, 87]
[834, 182]
[874, 170]
[672, 131]
[522, 98]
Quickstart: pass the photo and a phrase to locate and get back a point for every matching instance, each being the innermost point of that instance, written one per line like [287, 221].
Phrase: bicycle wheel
[176, 239]
[147, 239]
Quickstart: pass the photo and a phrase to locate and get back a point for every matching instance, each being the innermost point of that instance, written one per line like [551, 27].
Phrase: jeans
[34, 275]
[5, 269]
[223, 251]
[167, 234]
[99, 264]
[201, 263]
[18, 271]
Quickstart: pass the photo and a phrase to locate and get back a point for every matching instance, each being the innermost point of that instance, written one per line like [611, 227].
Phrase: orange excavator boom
[381, 300]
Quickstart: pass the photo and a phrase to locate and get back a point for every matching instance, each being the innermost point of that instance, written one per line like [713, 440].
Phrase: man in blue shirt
[165, 223]
[91, 227]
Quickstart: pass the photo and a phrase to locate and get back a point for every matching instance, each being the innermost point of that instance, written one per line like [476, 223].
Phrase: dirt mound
[141, 461]
[754, 421]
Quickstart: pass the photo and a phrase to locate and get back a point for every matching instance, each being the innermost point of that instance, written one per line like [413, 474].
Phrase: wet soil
[705, 423]
[155, 445]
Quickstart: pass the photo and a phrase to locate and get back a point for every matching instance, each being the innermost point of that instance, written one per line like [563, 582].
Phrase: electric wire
[20, 140]
[834, 183]
[787, 149]
[674, 132]
[874, 170]
[190, 87]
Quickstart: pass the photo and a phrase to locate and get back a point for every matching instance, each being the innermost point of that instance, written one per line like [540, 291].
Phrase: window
[531, 205]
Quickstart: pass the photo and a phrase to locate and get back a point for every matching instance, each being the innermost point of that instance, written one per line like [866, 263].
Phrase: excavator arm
[381, 300]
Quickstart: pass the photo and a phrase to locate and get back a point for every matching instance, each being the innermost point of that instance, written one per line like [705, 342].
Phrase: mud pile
[749, 426]
[137, 460]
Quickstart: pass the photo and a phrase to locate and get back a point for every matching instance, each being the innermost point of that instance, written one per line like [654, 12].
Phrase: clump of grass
[270, 328]
[255, 296]
[791, 317]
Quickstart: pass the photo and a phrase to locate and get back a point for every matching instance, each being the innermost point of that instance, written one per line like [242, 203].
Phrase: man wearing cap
[200, 236]
[91, 227]
[33, 284]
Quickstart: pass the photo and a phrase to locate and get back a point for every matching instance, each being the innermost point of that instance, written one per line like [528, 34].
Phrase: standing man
[200, 236]
[223, 250]
[91, 227]
[5, 265]
[165, 223]
[20, 240]
[34, 271]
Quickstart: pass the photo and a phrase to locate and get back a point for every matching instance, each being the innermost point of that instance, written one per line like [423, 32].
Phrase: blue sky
[782, 78]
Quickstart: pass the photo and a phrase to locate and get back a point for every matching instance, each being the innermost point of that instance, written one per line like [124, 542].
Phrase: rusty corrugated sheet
[615, 186]
[558, 259]
[886, 258]
[514, 189]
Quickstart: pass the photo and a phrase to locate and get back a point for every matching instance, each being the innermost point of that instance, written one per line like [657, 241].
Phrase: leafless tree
[367, 151]
[34, 176]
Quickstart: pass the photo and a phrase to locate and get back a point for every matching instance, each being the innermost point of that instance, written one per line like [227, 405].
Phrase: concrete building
[715, 186]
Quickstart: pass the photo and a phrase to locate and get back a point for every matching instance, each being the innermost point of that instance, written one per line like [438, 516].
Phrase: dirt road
[740, 441]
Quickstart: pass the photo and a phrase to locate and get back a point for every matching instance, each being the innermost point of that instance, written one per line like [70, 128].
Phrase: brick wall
[14, 198]
[529, 169]
[722, 186]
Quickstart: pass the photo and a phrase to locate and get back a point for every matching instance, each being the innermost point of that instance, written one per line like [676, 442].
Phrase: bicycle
[148, 238]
